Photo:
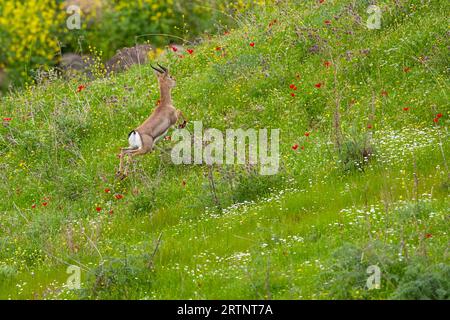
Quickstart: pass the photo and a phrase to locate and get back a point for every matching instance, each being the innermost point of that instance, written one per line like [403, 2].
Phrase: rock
[126, 57]
[73, 64]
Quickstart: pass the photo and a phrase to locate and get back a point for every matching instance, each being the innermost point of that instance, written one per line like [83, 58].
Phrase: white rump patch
[135, 140]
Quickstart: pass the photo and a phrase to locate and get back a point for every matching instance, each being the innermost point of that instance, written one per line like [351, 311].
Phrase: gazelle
[142, 139]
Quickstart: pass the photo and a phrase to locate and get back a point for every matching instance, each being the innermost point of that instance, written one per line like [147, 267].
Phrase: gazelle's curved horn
[156, 69]
[163, 68]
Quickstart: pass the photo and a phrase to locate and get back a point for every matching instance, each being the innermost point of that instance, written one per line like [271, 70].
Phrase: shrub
[115, 279]
[424, 283]
[28, 36]
[356, 151]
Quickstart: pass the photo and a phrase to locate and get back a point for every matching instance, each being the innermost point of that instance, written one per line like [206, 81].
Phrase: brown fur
[162, 118]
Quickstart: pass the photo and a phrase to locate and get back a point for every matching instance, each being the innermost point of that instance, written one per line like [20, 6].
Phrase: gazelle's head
[164, 78]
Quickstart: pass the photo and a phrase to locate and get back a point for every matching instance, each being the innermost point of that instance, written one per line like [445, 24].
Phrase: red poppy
[44, 204]
[384, 93]
[107, 190]
[295, 147]
[318, 85]
[436, 120]
[81, 87]
[292, 94]
[118, 196]
[226, 33]
[439, 115]
[168, 138]
[406, 69]
[302, 147]
[273, 22]
[7, 119]
[292, 86]
[183, 183]
[369, 126]
[252, 44]
[307, 134]
[327, 22]
[98, 209]
[218, 48]
[428, 235]
[405, 109]
[327, 64]
[181, 56]
[321, 1]
[190, 51]
[174, 49]
[111, 212]
[33, 206]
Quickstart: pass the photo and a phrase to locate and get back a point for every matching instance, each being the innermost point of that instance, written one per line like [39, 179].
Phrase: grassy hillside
[311, 231]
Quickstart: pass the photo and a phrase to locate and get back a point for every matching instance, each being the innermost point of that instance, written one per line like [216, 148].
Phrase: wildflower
[321, 1]
[436, 120]
[33, 206]
[111, 212]
[428, 235]
[405, 109]
[183, 183]
[272, 22]
[327, 64]
[306, 134]
[302, 147]
[44, 204]
[218, 48]
[7, 119]
[226, 33]
[118, 196]
[318, 85]
[174, 49]
[181, 56]
[439, 115]
[327, 22]
[369, 126]
[406, 69]
[295, 147]
[190, 51]
[107, 190]
[292, 94]
[292, 86]
[168, 138]
[384, 93]
[98, 209]
[252, 44]
[81, 87]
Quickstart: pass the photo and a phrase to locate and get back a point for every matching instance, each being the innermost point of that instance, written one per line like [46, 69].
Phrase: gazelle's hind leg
[122, 154]
[147, 146]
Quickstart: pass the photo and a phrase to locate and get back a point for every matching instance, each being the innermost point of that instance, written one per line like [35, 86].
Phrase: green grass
[309, 232]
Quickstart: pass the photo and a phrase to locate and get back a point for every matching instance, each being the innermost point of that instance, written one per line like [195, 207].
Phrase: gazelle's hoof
[120, 175]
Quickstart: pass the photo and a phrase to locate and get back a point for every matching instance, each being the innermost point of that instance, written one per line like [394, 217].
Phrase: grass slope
[309, 232]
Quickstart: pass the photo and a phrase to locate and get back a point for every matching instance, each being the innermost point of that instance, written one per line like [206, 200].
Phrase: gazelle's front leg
[180, 114]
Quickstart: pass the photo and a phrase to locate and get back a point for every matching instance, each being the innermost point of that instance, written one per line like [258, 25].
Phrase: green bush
[421, 283]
